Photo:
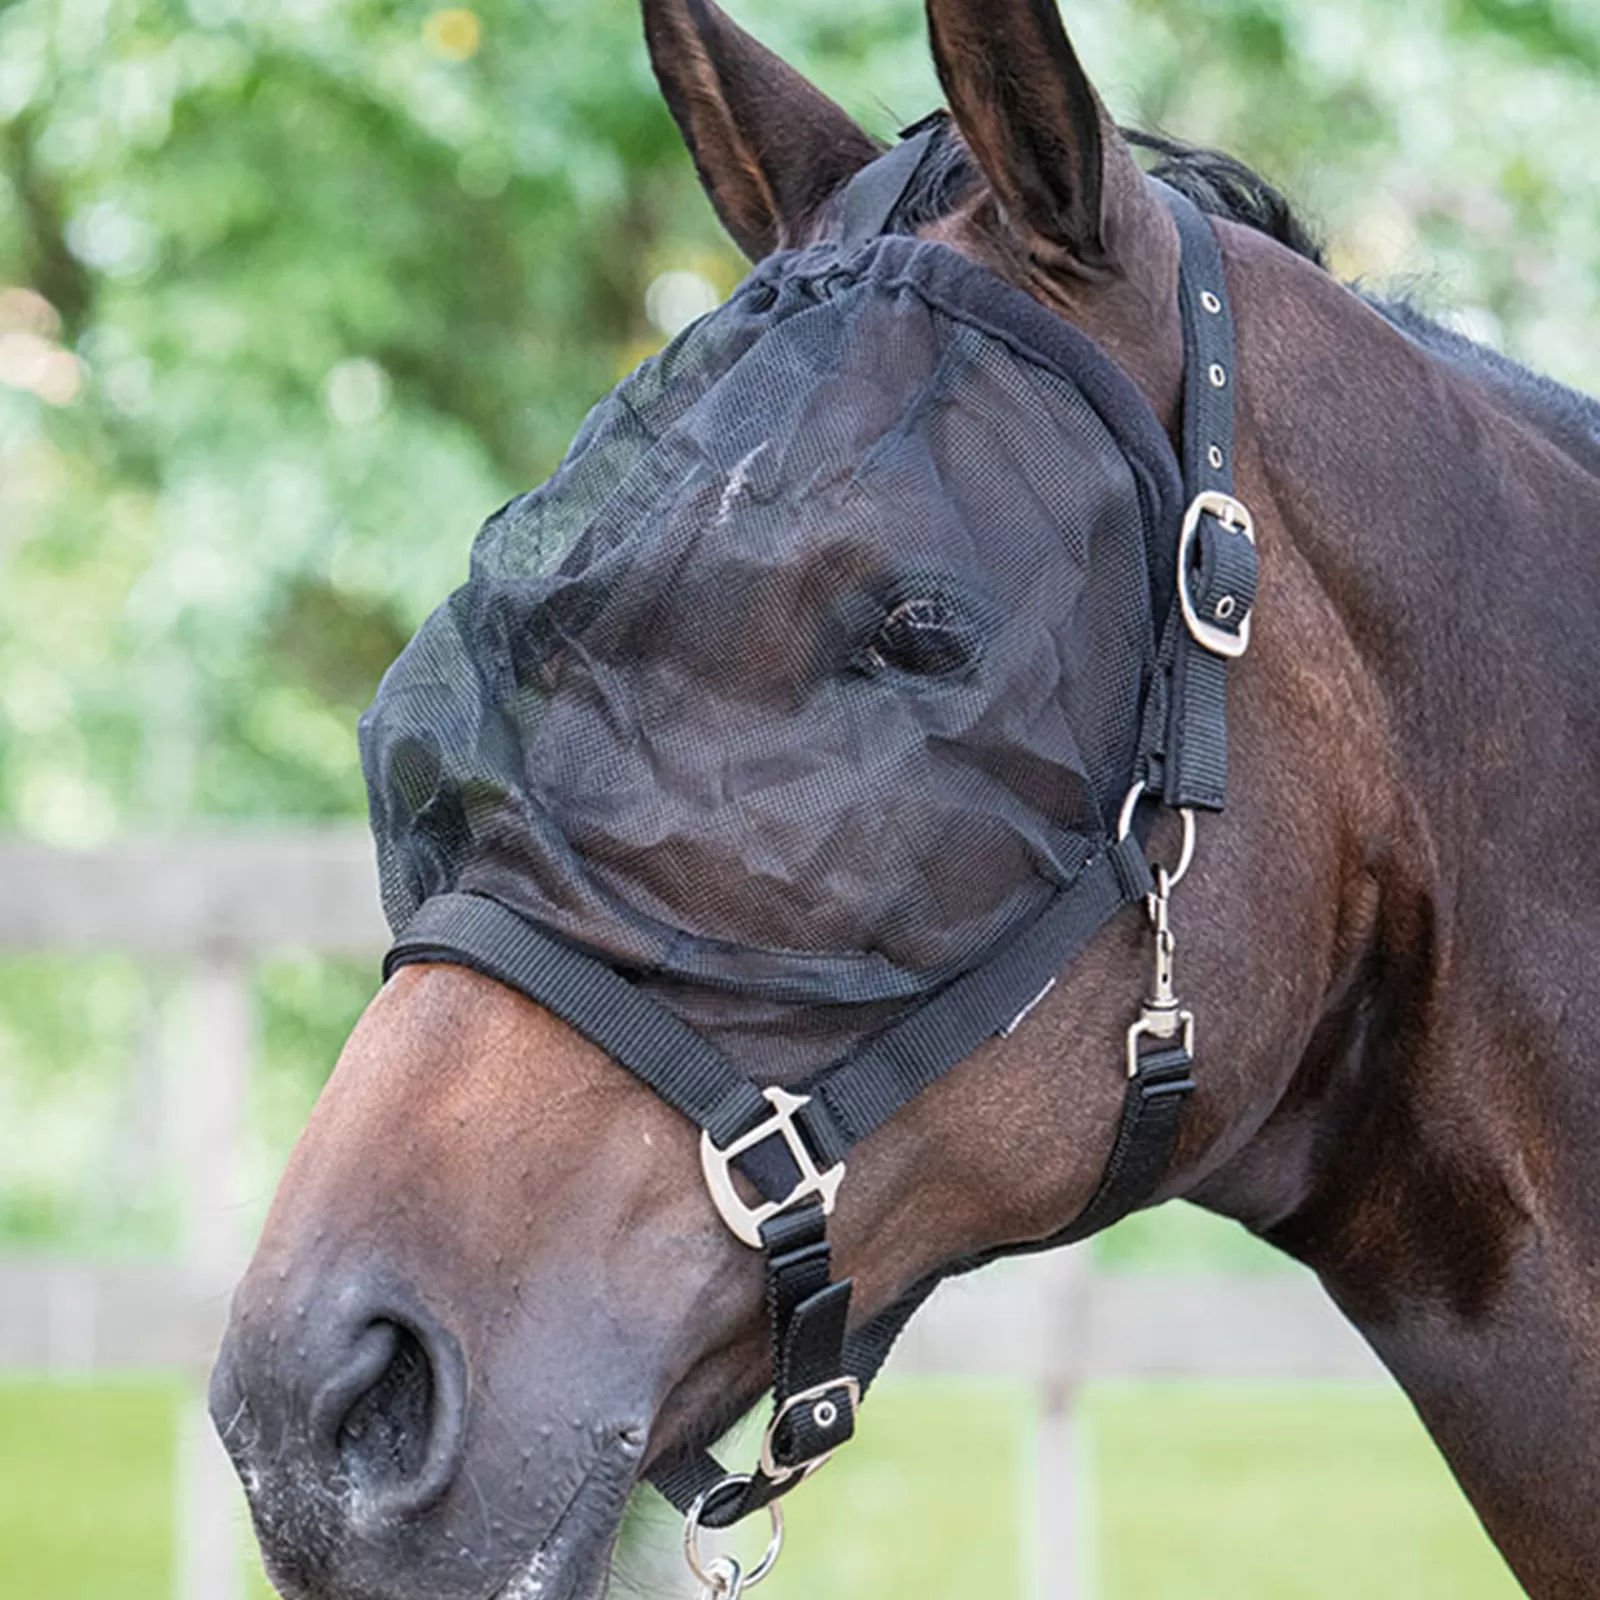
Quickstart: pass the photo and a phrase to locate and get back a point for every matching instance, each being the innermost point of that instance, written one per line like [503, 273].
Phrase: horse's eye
[925, 636]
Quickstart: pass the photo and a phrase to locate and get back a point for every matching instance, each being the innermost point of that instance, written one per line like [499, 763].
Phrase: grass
[1249, 1492]
[86, 1490]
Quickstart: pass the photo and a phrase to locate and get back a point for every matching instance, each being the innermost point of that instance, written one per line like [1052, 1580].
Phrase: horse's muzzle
[347, 1408]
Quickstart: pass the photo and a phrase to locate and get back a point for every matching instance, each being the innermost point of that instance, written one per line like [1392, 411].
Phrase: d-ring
[691, 1537]
[1185, 854]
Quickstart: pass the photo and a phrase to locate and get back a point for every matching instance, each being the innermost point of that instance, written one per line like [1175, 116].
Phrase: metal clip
[725, 1580]
[1162, 1016]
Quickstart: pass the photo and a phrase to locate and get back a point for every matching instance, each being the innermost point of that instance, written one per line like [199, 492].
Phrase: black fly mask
[795, 730]
[815, 672]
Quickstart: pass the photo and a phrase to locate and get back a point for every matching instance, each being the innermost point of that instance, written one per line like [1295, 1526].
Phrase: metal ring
[1186, 852]
[691, 1536]
[1129, 805]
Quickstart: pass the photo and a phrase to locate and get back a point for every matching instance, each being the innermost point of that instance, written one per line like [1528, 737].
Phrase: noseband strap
[790, 1145]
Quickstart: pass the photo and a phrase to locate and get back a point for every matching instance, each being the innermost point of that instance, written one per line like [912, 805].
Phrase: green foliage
[323, 283]
[80, 1134]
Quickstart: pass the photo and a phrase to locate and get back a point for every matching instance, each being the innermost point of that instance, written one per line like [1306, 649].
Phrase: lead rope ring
[722, 1578]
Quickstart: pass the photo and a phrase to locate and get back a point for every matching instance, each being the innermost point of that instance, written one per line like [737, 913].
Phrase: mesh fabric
[816, 668]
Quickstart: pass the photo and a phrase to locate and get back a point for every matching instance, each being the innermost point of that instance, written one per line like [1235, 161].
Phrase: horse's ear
[770, 149]
[1064, 176]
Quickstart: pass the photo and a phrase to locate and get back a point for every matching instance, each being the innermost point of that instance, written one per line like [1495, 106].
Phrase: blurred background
[292, 294]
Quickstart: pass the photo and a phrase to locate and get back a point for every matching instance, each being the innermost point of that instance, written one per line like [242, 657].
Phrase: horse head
[837, 727]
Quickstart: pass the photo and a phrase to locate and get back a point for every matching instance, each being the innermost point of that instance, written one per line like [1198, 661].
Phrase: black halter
[791, 1144]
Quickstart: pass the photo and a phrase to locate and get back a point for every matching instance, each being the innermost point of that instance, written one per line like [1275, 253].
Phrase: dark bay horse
[492, 1292]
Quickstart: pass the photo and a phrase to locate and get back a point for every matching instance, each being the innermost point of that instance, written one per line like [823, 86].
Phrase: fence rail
[221, 902]
[1035, 1322]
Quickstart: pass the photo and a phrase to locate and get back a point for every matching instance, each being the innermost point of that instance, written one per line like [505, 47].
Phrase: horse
[493, 1295]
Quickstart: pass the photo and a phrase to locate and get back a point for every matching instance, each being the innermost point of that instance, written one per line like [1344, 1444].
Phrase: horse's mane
[1225, 187]
[1217, 183]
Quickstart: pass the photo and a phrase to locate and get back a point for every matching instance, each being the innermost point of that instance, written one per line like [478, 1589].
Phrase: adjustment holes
[825, 1413]
[1219, 375]
[1211, 303]
[1215, 456]
[1225, 608]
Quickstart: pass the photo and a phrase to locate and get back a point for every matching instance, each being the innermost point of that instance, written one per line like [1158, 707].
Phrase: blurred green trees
[292, 294]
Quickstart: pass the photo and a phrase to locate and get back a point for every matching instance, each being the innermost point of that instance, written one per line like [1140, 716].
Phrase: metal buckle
[1235, 516]
[717, 1165]
[817, 1397]
[1160, 1024]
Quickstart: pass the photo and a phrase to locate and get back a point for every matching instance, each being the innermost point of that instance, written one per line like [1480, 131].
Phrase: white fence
[219, 904]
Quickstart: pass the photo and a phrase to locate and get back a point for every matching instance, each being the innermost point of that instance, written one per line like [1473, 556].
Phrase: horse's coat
[1390, 935]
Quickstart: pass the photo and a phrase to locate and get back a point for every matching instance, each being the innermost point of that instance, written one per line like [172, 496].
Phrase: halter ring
[711, 1574]
[1186, 852]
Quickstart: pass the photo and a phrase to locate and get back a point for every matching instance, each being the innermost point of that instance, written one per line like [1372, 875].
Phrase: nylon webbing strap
[814, 1404]
[893, 1068]
[1218, 570]
[1146, 1138]
[689, 1074]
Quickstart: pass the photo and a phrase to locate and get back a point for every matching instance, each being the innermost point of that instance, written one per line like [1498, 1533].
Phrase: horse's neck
[1459, 544]
[1454, 553]
[1433, 1157]
[1568, 419]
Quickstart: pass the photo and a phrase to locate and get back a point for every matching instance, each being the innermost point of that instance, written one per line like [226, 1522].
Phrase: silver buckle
[717, 1165]
[1234, 515]
[817, 1397]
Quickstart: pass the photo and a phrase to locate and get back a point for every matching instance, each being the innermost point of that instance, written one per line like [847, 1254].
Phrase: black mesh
[817, 666]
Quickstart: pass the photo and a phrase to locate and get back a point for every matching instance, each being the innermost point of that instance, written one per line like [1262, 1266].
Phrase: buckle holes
[1215, 457]
[1211, 303]
[824, 1413]
[1219, 375]
[1225, 608]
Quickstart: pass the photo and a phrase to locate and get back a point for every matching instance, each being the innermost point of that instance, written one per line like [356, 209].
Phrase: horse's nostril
[383, 1437]
[392, 1415]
